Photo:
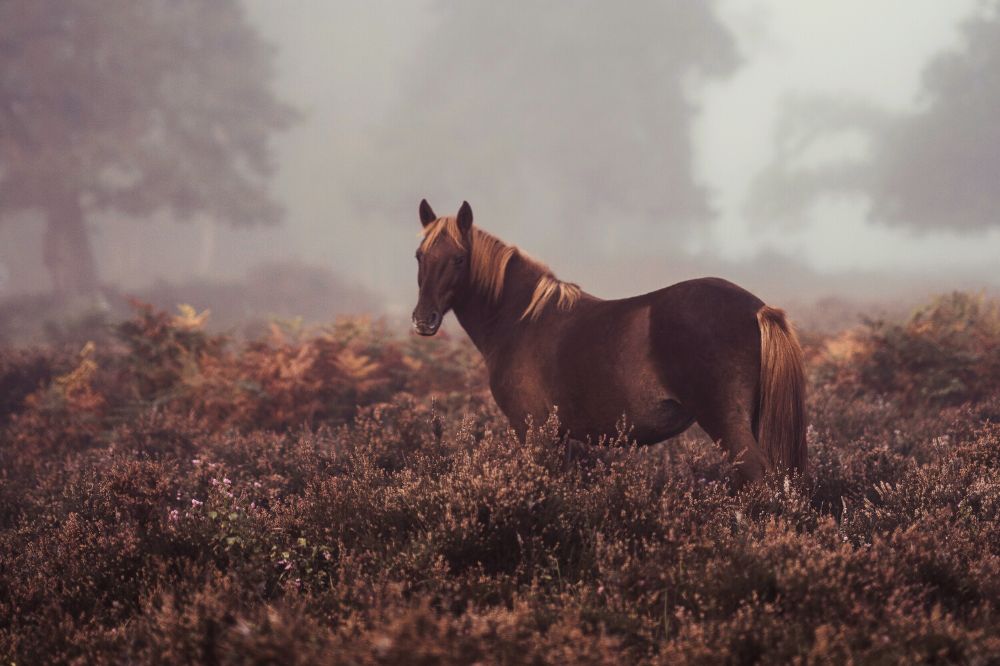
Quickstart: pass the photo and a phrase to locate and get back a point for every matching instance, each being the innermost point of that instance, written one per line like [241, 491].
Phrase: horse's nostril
[427, 324]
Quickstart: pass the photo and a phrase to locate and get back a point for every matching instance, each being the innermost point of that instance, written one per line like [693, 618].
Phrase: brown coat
[704, 350]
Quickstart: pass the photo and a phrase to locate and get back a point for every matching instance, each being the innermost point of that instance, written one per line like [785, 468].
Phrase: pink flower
[196, 503]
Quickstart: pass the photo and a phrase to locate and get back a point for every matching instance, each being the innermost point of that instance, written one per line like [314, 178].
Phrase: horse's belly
[651, 413]
[662, 421]
[630, 388]
[646, 422]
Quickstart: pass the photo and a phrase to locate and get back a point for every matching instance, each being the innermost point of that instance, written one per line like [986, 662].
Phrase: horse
[702, 351]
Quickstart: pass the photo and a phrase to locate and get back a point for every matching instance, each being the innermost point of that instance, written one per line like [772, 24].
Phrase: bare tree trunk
[67, 252]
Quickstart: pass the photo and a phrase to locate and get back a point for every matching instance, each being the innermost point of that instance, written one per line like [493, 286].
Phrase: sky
[873, 51]
[352, 67]
[624, 145]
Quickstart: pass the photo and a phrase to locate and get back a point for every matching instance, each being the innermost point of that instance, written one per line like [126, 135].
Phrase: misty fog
[807, 151]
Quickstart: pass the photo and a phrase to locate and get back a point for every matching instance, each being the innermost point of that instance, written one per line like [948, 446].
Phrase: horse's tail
[781, 429]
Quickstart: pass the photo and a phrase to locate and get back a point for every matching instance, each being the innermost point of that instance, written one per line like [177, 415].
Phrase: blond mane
[489, 257]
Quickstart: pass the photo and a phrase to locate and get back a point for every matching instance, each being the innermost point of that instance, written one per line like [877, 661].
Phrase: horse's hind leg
[731, 426]
[706, 346]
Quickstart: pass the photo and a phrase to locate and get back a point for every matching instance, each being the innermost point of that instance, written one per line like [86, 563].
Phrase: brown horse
[702, 351]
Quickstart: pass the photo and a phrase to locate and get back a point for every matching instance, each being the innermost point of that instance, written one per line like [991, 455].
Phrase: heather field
[352, 495]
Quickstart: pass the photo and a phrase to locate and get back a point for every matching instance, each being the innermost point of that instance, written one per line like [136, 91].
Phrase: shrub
[345, 496]
[948, 353]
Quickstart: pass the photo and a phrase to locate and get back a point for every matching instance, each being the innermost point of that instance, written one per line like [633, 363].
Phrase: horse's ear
[426, 213]
[465, 217]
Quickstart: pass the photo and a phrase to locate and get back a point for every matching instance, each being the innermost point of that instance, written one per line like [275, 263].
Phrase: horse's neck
[492, 323]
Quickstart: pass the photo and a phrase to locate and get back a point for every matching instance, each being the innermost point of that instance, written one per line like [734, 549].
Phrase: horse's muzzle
[428, 325]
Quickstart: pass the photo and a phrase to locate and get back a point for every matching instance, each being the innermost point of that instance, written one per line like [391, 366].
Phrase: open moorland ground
[348, 495]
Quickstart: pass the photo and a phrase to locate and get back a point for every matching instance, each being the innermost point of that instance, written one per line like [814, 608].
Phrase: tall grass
[348, 496]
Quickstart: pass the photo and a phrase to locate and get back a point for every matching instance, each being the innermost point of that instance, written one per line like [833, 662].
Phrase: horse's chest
[519, 386]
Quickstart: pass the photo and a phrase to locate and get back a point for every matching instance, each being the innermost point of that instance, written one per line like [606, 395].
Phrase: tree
[132, 106]
[570, 112]
[938, 166]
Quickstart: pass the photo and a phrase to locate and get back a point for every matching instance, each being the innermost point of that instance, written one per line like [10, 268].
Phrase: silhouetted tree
[937, 166]
[132, 106]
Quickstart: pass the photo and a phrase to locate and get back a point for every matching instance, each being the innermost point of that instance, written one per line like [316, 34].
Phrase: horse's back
[712, 309]
[703, 299]
[703, 318]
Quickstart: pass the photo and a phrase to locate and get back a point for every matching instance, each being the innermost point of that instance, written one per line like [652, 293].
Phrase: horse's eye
[417, 255]
[459, 260]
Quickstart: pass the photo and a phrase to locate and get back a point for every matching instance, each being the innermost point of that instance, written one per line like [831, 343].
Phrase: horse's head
[442, 265]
